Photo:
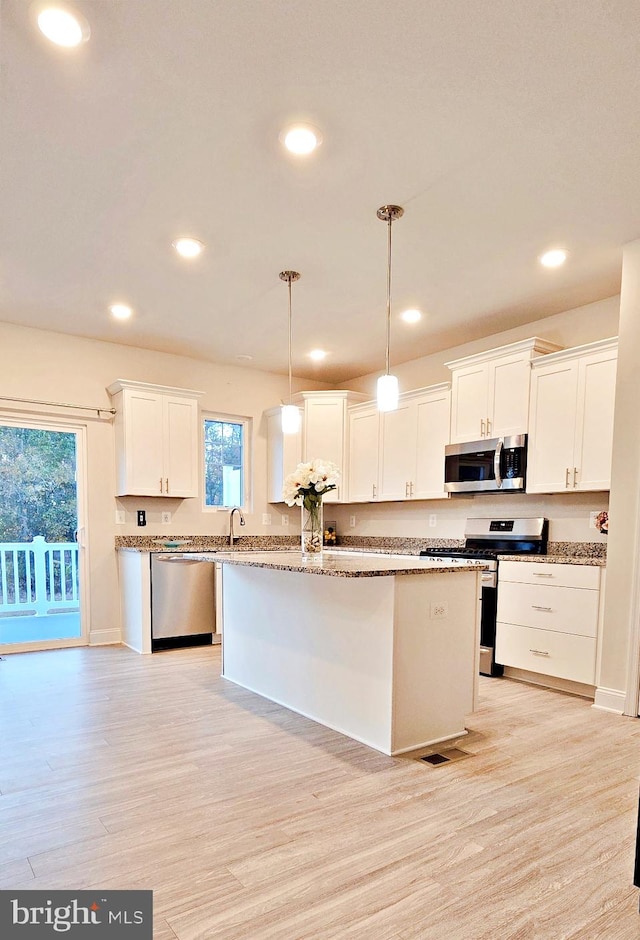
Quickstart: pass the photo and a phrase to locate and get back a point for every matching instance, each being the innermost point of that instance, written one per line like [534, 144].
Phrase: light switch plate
[166, 518]
[266, 518]
[352, 521]
[432, 519]
[285, 519]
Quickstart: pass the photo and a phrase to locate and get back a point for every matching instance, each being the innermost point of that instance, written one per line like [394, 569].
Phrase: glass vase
[311, 527]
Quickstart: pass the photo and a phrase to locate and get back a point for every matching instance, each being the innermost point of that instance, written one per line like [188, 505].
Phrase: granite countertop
[339, 564]
[598, 561]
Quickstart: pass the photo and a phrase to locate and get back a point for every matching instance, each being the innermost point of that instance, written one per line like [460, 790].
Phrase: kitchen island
[382, 649]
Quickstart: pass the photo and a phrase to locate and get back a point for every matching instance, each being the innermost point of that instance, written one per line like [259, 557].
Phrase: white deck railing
[38, 577]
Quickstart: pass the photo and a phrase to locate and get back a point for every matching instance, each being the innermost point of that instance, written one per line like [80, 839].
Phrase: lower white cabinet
[548, 618]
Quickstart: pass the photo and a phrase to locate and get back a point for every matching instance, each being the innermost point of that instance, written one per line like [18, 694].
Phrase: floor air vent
[445, 757]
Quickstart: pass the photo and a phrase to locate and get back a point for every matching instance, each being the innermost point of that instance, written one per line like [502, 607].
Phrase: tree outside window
[224, 462]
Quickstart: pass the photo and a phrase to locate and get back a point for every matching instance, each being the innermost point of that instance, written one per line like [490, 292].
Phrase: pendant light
[387, 389]
[290, 413]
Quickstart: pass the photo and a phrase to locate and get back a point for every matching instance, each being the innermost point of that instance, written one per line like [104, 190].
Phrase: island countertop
[340, 564]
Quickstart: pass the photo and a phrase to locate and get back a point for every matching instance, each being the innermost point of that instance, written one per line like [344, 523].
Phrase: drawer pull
[537, 607]
[539, 652]
[542, 574]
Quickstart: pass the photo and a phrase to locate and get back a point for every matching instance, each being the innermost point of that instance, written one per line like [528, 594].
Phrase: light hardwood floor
[252, 823]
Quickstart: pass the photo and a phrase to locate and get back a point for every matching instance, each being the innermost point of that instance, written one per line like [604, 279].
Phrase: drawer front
[551, 654]
[580, 576]
[563, 609]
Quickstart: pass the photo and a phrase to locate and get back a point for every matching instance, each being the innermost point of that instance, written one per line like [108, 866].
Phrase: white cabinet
[364, 424]
[548, 618]
[490, 391]
[412, 442]
[324, 435]
[284, 453]
[157, 436]
[571, 419]
[399, 455]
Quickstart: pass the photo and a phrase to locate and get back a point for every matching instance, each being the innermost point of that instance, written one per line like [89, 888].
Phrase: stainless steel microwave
[494, 465]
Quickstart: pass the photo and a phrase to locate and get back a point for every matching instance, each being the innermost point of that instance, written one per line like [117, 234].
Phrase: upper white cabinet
[412, 442]
[284, 453]
[490, 391]
[324, 435]
[399, 455]
[157, 435]
[364, 430]
[571, 419]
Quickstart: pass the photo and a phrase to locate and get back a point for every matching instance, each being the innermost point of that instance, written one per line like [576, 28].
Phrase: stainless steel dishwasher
[183, 601]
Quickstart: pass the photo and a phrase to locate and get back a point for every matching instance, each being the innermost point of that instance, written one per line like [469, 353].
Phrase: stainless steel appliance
[494, 465]
[485, 539]
[183, 601]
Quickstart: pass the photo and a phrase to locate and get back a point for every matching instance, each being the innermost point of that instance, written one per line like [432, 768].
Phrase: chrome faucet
[234, 510]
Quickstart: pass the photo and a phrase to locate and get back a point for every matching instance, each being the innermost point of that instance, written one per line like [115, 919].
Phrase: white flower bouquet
[309, 482]
[305, 487]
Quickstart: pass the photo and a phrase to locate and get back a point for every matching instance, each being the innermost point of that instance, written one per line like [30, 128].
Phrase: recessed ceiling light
[62, 27]
[411, 316]
[317, 354]
[301, 139]
[188, 247]
[554, 258]
[120, 311]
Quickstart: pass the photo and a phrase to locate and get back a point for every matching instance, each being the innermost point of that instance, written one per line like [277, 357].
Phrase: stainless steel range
[485, 539]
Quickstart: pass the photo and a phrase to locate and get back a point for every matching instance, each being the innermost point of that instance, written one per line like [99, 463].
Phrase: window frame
[247, 440]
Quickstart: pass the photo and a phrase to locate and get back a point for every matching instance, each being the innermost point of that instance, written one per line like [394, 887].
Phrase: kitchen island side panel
[321, 646]
[435, 668]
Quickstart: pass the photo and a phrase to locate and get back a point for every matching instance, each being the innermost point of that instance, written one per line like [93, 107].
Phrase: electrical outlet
[439, 610]
[352, 521]
[285, 519]
[266, 518]
[166, 518]
[592, 520]
[432, 519]
[121, 517]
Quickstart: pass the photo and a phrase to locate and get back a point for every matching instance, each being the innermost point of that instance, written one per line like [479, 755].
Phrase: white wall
[37, 364]
[571, 328]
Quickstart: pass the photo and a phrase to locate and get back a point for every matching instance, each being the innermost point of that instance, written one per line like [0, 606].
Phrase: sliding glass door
[41, 536]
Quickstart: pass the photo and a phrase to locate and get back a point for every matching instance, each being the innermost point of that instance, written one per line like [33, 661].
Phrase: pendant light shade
[387, 393]
[290, 413]
[387, 389]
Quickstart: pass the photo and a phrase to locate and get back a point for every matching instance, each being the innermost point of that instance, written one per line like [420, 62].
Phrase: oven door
[488, 665]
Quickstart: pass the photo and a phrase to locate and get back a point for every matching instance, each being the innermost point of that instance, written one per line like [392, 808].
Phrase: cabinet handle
[537, 607]
[575, 476]
[541, 574]
[411, 488]
[540, 652]
[488, 428]
[167, 485]
[161, 484]
[566, 477]
[406, 490]
[481, 427]
[373, 491]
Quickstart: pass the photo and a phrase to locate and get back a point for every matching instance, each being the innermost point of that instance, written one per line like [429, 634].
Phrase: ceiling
[502, 128]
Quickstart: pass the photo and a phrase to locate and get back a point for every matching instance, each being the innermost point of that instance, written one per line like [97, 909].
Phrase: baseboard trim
[610, 700]
[550, 682]
[104, 637]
